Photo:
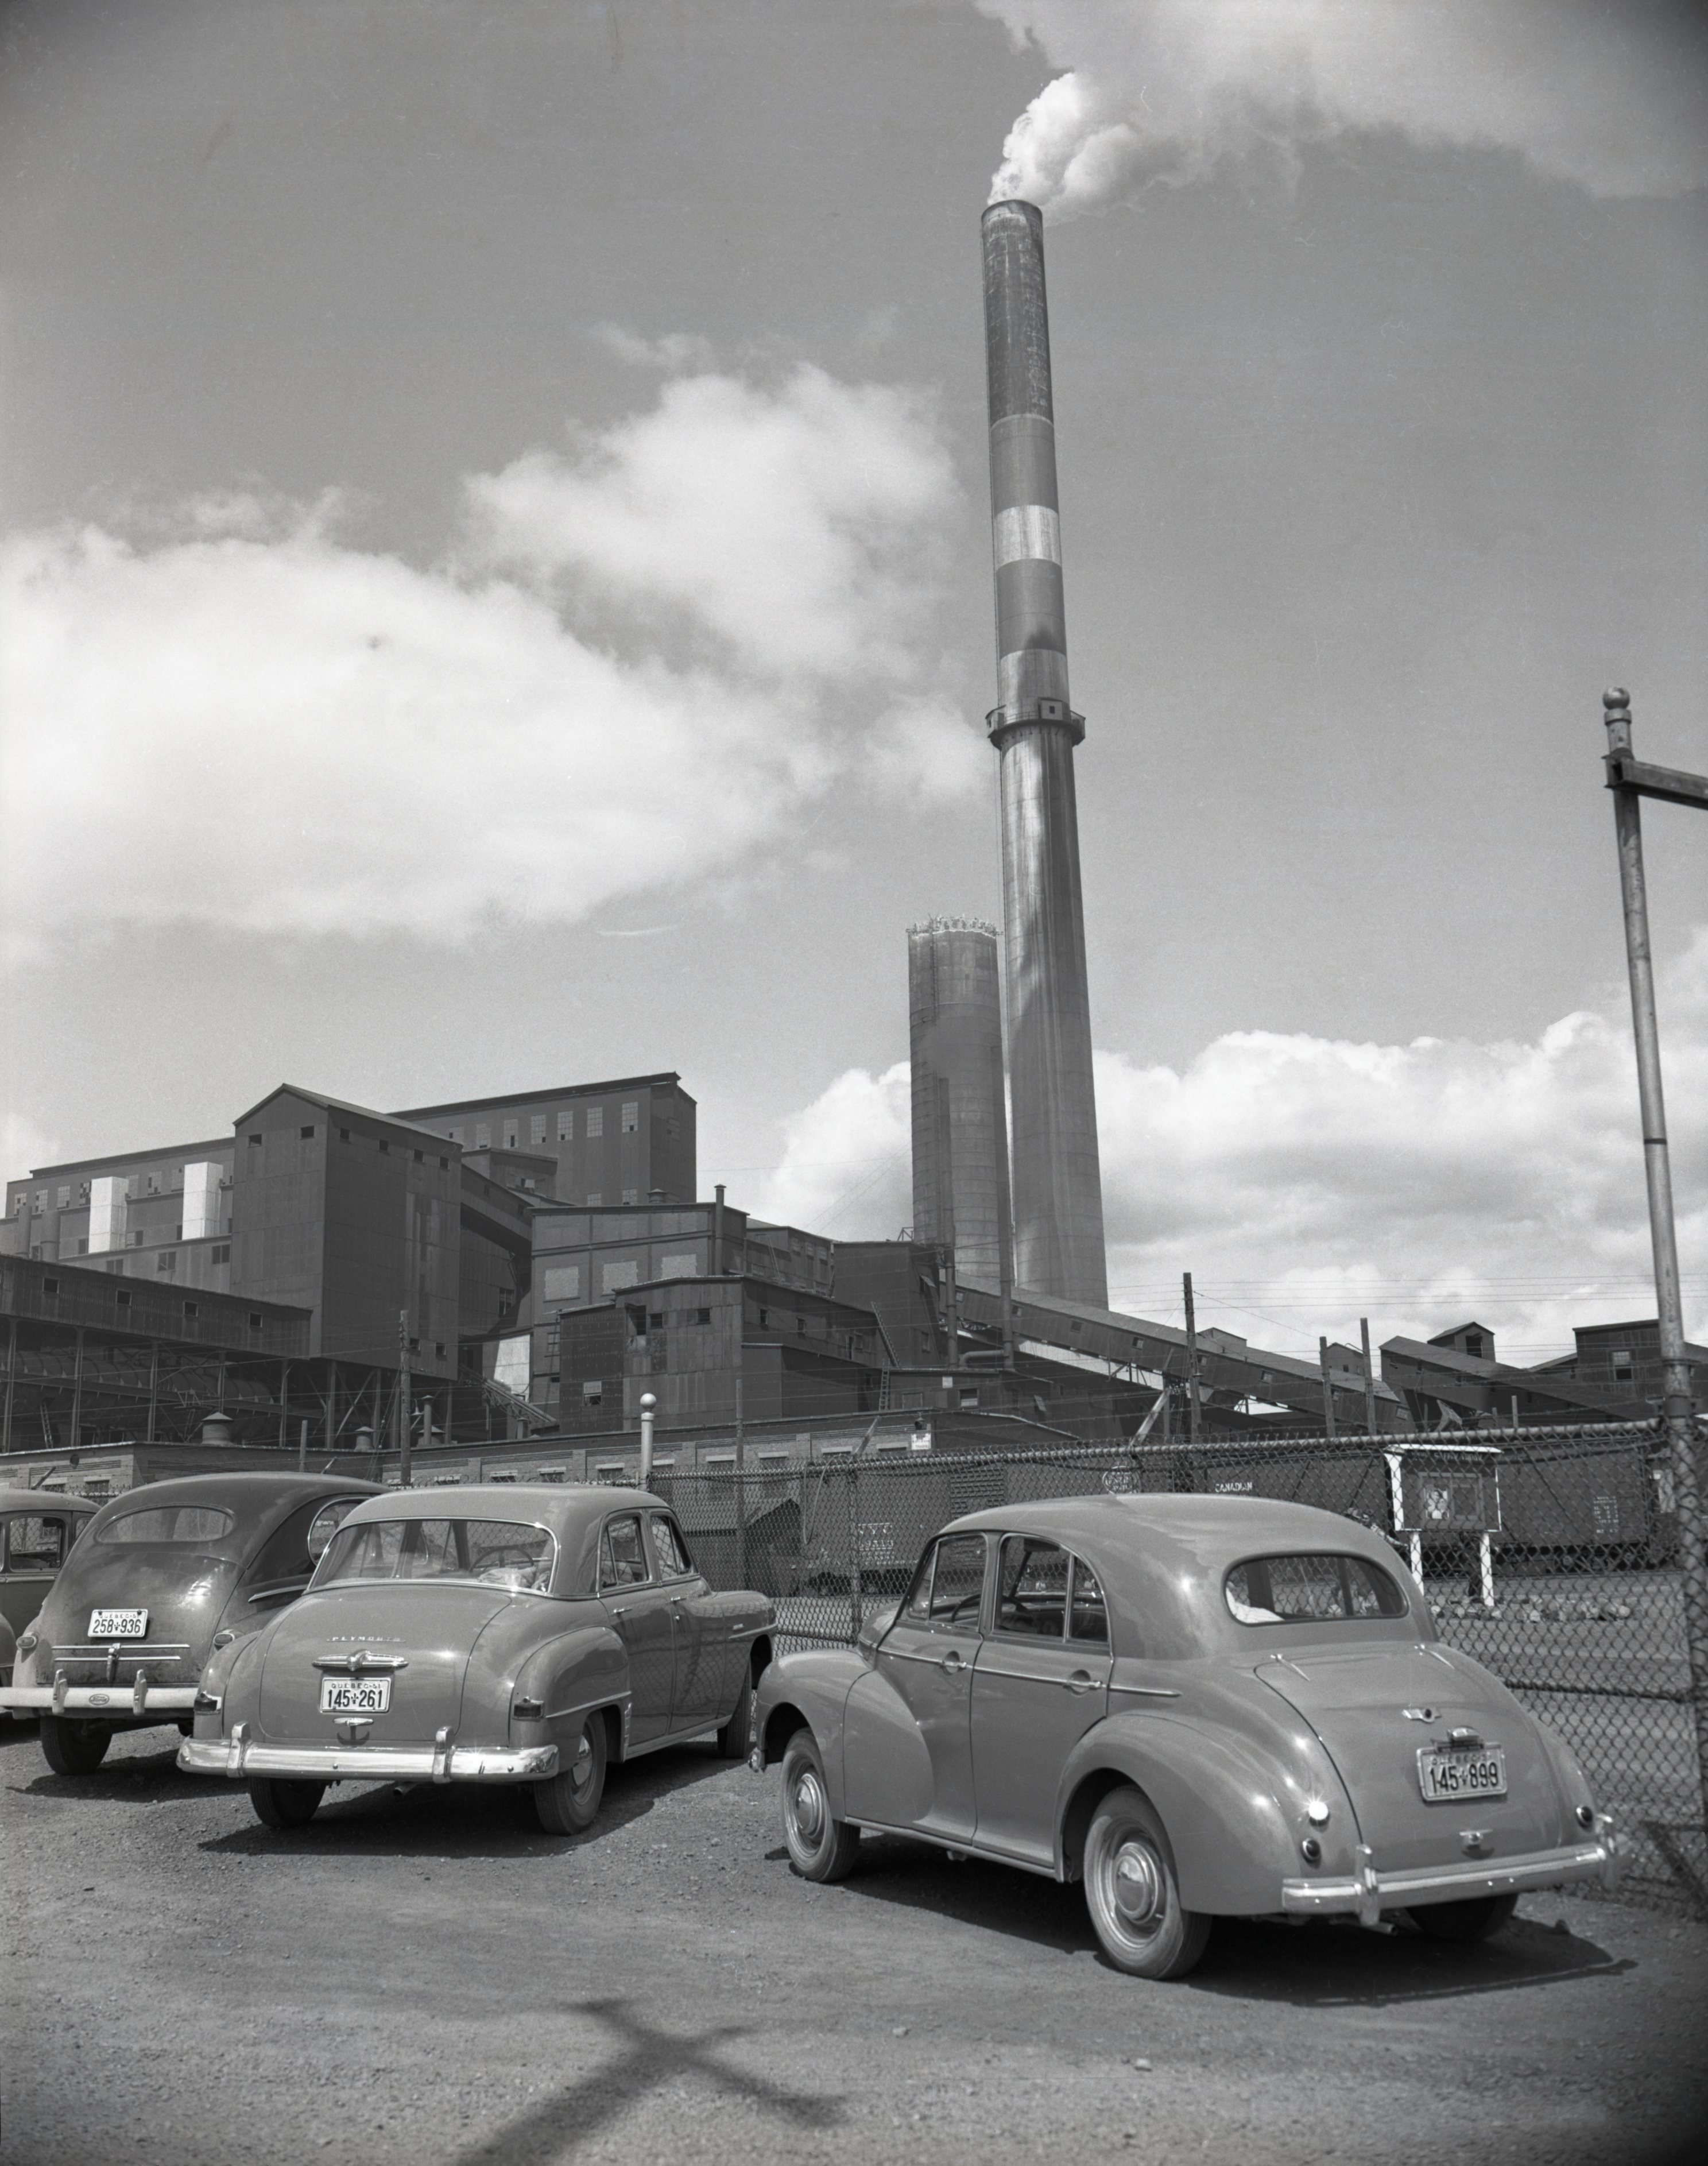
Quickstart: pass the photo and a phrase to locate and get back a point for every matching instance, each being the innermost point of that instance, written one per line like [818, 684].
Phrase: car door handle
[951, 1661]
[1080, 1682]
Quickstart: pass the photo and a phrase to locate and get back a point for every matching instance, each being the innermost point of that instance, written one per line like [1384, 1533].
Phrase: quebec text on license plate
[118, 1624]
[1443, 1773]
[354, 1695]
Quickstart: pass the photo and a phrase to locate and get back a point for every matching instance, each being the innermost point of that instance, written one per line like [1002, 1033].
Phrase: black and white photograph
[854, 985]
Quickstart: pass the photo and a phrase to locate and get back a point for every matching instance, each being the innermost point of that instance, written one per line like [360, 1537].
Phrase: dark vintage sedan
[1198, 1706]
[163, 1577]
[486, 1634]
[37, 1530]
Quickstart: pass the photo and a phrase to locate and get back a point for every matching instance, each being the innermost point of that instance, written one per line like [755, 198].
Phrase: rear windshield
[1295, 1590]
[168, 1523]
[492, 1552]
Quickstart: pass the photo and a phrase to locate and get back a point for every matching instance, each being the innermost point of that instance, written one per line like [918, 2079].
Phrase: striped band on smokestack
[1032, 631]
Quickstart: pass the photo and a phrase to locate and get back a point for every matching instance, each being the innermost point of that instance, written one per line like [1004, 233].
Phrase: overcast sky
[495, 590]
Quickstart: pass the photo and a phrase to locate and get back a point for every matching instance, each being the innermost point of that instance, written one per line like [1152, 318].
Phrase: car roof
[565, 1510]
[250, 1491]
[42, 1500]
[1207, 1529]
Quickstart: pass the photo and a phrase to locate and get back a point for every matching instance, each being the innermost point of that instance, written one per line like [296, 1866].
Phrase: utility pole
[404, 1424]
[1630, 781]
[1327, 1389]
[1369, 1377]
[1192, 1414]
[740, 1486]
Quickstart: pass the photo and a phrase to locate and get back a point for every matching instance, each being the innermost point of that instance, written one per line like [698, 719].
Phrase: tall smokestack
[1057, 1191]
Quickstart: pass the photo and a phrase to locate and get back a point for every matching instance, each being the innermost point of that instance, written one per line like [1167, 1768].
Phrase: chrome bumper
[441, 1762]
[1368, 1893]
[117, 1702]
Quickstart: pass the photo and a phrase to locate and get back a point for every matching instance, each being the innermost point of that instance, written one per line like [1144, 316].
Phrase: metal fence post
[854, 1527]
[1628, 785]
[740, 1488]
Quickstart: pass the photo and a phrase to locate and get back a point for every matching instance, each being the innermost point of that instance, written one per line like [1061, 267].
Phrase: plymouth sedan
[37, 1528]
[495, 1635]
[1200, 1707]
[163, 1577]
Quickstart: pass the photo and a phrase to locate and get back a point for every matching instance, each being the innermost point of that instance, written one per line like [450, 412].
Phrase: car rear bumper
[441, 1762]
[1368, 1891]
[118, 1703]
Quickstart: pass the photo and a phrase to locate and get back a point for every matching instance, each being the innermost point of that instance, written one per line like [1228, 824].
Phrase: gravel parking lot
[426, 1978]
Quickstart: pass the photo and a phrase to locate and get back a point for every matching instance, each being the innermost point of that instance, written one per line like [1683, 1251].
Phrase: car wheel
[736, 1738]
[74, 1748]
[819, 1848]
[1133, 1894]
[284, 1805]
[569, 1801]
[1471, 1920]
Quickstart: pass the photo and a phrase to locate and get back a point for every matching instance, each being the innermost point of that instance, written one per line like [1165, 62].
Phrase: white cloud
[253, 724]
[846, 1167]
[1306, 1181]
[1611, 98]
[795, 526]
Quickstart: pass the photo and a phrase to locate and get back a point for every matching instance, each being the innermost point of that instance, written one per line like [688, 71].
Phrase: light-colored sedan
[496, 1634]
[1200, 1706]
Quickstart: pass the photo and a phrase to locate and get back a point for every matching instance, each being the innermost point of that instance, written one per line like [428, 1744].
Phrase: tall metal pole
[1327, 1390]
[10, 1378]
[1625, 780]
[647, 1403]
[1192, 1414]
[1369, 1377]
[303, 1446]
[741, 1489]
[403, 1424]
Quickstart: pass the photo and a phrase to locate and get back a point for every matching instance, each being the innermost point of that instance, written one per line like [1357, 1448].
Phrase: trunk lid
[1374, 1708]
[420, 1637]
[182, 1592]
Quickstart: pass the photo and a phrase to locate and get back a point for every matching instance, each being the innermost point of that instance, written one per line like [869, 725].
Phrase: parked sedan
[37, 1530]
[163, 1577]
[1198, 1706]
[495, 1635]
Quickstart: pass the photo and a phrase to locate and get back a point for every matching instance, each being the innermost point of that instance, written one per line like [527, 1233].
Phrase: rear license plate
[118, 1624]
[1443, 1775]
[354, 1695]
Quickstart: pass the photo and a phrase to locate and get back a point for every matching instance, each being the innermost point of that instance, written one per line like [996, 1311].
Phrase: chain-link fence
[1545, 1554]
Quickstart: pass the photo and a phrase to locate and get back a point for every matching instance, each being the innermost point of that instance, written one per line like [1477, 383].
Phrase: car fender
[1233, 1816]
[812, 1688]
[232, 1675]
[8, 1647]
[586, 1666]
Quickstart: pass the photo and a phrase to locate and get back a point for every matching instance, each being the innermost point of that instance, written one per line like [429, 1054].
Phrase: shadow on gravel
[459, 1819]
[1320, 1965]
[645, 2059]
[1021, 1906]
[136, 1779]
[1317, 1965]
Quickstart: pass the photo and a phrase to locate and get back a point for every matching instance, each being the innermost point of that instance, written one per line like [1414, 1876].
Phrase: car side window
[669, 1548]
[36, 1541]
[957, 1584]
[284, 1555]
[1087, 1612]
[1032, 1588]
[622, 1560]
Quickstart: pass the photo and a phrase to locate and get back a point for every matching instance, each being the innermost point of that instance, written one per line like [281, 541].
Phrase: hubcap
[806, 1802]
[581, 1772]
[1137, 1885]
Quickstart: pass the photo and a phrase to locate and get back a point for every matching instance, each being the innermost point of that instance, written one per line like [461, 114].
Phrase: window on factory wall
[614, 1277]
[220, 1254]
[167, 1262]
[631, 1116]
[65, 1197]
[562, 1282]
[595, 1121]
[153, 1186]
[454, 1134]
[512, 1132]
[632, 1195]
[537, 1128]
[566, 1127]
[83, 1248]
[482, 1135]
[595, 1201]
[679, 1267]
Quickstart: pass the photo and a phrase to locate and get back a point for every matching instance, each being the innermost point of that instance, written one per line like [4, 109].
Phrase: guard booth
[1447, 1492]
